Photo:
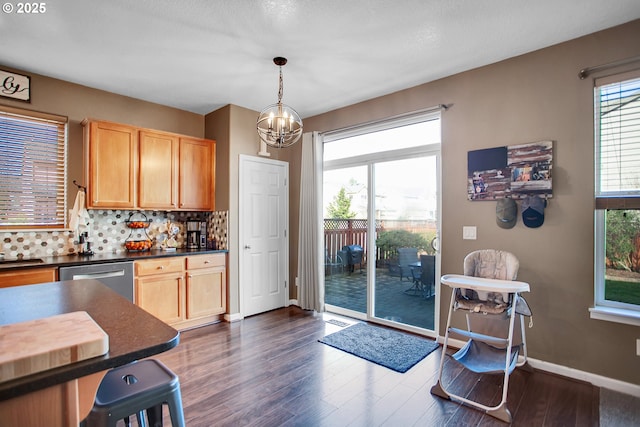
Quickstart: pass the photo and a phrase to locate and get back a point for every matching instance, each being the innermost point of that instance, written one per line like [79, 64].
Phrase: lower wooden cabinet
[162, 295]
[28, 276]
[206, 285]
[183, 291]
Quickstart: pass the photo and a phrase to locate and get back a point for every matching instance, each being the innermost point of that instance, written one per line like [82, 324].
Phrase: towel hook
[80, 187]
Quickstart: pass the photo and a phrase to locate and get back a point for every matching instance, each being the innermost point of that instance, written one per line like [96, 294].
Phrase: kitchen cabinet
[206, 286]
[110, 158]
[28, 276]
[138, 168]
[160, 288]
[183, 291]
[158, 177]
[197, 163]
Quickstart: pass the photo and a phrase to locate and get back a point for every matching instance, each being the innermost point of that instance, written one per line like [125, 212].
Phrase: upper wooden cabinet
[111, 165]
[137, 168]
[196, 174]
[158, 170]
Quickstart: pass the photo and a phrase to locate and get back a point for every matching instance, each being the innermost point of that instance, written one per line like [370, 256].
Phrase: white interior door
[264, 248]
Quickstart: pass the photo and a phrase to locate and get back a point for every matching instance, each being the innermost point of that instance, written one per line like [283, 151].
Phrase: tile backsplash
[108, 231]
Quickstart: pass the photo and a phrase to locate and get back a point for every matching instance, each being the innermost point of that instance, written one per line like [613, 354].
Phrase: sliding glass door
[381, 209]
[405, 211]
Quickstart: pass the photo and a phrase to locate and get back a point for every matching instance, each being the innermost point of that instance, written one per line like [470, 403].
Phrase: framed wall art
[514, 171]
[15, 86]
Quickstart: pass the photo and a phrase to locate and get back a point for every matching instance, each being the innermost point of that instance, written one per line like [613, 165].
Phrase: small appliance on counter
[84, 246]
[196, 235]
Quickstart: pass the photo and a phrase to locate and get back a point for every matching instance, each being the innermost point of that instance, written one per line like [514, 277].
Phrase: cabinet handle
[161, 267]
[206, 262]
[190, 276]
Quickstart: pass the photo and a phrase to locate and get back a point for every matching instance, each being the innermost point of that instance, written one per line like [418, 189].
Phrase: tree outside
[340, 207]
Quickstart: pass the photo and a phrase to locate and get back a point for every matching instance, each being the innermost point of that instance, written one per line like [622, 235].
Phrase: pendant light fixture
[279, 125]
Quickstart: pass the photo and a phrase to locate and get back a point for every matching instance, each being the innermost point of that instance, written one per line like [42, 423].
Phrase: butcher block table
[54, 382]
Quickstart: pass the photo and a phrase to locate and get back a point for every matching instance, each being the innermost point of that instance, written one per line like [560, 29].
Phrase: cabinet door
[206, 292]
[162, 296]
[158, 172]
[197, 159]
[111, 165]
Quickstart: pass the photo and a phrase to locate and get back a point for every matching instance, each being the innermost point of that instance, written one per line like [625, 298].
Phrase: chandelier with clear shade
[279, 125]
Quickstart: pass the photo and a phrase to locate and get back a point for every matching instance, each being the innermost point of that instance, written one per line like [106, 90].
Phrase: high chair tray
[483, 285]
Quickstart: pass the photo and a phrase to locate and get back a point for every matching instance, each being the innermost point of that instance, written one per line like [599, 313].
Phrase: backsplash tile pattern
[108, 232]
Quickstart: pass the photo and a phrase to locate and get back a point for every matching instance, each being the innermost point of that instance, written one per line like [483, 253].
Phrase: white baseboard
[595, 379]
[293, 302]
[233, 317]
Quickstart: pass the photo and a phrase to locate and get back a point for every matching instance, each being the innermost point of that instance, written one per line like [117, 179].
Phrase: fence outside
[340, 232]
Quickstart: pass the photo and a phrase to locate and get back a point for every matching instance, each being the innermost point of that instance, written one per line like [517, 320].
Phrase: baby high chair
[490, 297]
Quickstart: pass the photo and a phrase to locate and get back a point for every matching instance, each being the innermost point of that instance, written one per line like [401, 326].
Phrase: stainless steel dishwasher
[116, 275]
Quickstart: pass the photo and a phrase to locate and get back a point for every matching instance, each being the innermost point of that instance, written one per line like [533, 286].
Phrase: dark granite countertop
[99, 258]
[133, 333]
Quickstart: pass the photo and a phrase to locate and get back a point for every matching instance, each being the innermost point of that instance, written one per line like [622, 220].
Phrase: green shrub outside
[389, 241]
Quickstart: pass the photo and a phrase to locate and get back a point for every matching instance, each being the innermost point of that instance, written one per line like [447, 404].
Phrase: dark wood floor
[270, 370]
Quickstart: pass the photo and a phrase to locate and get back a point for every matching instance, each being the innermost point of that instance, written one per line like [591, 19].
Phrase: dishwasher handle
[99, 275]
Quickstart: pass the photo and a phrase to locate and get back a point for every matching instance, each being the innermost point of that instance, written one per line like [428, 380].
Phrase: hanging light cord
[280, 87]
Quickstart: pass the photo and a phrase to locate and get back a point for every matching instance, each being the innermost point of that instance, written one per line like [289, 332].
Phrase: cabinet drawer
[159, 266]
[205, 261]
[28, 277]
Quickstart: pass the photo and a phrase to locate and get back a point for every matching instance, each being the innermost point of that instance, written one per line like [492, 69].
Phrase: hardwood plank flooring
[270, 370]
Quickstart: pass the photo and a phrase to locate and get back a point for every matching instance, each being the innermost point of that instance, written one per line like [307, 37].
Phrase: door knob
[247, 247]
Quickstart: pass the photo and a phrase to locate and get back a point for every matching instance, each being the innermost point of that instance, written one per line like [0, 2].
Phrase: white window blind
[618, 149]
[32, 169]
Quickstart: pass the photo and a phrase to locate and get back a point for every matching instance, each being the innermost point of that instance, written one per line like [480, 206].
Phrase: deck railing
[343, 232]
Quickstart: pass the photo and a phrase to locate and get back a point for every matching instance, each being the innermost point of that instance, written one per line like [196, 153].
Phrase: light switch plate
[469, 232]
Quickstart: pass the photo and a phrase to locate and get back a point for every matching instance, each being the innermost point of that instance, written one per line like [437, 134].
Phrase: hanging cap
[533, 211]
[506, 213]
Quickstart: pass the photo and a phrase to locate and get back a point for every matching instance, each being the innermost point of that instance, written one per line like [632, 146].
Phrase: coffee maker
[196, 235]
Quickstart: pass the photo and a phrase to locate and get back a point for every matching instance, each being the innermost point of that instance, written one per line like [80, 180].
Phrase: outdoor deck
[350, 291]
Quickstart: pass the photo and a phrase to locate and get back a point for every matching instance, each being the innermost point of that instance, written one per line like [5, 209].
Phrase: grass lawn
[619, 290]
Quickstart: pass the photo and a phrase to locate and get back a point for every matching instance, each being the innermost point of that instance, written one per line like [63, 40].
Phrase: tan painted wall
[533, 97]
[79, 102]
[238, 137]
[216, 126]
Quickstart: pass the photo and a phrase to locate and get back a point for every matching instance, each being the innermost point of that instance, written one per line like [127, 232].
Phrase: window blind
[618, 143]
[32, 169]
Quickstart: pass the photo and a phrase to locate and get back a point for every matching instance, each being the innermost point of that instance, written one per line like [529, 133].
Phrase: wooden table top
[133, 333]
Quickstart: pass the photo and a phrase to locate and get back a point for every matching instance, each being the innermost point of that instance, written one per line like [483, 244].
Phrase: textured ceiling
[200, 55]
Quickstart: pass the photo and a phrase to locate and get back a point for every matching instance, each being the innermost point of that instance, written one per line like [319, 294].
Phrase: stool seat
[131, 389]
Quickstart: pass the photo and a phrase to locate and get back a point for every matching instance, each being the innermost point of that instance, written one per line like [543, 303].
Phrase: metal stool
[136, 388]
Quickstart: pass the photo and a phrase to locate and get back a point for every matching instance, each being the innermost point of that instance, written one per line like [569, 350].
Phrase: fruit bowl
[138, 245]
[140, 222]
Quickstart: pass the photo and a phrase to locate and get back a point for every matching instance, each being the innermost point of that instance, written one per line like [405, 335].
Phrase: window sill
[618, 315]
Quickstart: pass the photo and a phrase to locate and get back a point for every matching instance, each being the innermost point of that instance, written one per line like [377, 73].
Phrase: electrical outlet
[469, 232]
[638, 347]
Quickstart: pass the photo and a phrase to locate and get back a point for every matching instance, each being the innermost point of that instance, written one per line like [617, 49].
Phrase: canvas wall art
[514, 171]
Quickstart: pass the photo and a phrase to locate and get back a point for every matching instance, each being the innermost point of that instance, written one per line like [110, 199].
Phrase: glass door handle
[435, 244]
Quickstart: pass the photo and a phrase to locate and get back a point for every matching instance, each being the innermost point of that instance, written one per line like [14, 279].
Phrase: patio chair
[424, 277]
[330, 265]
[406, 257]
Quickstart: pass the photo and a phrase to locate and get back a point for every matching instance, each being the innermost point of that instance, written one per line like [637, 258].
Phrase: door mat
[392, 349]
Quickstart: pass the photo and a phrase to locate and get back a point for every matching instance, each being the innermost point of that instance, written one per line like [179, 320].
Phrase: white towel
[78, 216]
